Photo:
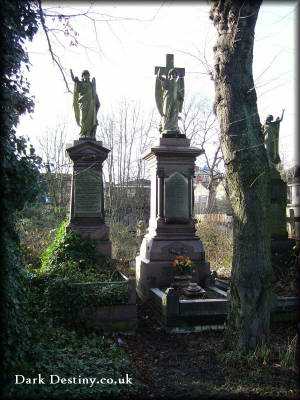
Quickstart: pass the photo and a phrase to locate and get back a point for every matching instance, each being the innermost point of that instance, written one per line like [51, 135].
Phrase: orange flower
[183, 265]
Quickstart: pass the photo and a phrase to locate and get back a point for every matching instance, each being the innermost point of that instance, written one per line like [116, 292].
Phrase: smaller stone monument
[87, 155]
[277, 214]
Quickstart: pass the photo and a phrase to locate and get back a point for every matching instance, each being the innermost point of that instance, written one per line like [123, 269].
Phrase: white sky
[130, 49]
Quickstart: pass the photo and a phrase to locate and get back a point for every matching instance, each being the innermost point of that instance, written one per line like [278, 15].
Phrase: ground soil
[188, 366]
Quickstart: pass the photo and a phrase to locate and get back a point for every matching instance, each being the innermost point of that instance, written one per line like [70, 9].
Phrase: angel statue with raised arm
[86, 105]
[271, 136]
[169, 95]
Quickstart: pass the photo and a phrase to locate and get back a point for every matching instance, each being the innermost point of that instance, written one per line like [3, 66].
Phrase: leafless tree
[126, 130]
[57, 24]
[199, 123]
[56, 175]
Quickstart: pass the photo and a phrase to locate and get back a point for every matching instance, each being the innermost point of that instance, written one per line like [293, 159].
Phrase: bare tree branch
[54, 56]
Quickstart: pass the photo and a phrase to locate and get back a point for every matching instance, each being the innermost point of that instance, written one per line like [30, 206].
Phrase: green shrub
[37, 227]
[71, 255]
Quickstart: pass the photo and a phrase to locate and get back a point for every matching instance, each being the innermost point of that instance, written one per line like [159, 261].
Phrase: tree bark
[247, 172]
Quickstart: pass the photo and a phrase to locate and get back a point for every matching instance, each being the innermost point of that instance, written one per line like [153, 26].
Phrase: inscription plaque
[176, 199]
[87, 194]
[177, 251]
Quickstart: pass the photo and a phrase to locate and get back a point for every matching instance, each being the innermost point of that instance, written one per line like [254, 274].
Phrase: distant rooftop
[206, 171]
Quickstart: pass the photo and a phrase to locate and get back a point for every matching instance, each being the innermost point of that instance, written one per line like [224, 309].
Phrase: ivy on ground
[70, 259]
[66, 354]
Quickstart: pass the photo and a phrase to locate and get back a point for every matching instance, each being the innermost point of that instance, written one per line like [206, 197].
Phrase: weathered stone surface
[87, 197]
[169, 95]
[86, 105]
[96, 230]
[271, 134]
[178, 141]
[172, 226]
[88, 194]
[159, 249]
[278, 221]
[170, 302]
[176, 199]
[153, 273]
[277, 211]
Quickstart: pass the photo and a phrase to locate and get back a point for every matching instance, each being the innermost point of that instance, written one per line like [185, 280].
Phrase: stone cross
[169, 65]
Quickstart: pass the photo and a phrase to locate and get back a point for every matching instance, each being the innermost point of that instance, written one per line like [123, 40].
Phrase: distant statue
[140, 228]
[86, 104]
[271, 135]
[169, 95]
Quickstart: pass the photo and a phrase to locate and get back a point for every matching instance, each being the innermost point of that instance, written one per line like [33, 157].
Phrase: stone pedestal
[87, 195]
[171, 229]
[281, 245]
[278, 206]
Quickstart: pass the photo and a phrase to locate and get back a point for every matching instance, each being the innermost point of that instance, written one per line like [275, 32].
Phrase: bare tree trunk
[247, 171]
[211, 196]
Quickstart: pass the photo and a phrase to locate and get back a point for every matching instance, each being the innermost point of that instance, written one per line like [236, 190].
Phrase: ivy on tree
[19, 175]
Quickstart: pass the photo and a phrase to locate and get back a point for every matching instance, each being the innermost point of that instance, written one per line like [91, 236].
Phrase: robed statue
[169, 95]
[86, 104]
[271, 136]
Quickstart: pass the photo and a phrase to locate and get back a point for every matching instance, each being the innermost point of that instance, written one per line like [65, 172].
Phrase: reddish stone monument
[172, 226]
[87, 195]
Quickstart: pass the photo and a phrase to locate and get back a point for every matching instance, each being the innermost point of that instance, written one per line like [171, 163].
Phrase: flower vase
[181, 281]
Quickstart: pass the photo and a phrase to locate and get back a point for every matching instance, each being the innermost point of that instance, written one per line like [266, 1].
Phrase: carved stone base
[100, 233]
[151, 274]
[154, 264]
[181, 281]
[173, 134]
[194, 291]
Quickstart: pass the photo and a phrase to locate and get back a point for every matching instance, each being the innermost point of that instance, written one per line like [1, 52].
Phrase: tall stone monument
[277, 213]
[171, 229]
[87, 155]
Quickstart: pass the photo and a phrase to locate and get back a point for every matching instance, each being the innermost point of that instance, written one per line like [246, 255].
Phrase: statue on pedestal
[271, 135]
[169, 95]
[86, 105]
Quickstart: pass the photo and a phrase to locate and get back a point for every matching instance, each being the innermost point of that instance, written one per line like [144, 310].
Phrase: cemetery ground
[195, 365]
[160, 365]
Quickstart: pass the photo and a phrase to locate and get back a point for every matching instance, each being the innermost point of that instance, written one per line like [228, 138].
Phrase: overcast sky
[134, 38]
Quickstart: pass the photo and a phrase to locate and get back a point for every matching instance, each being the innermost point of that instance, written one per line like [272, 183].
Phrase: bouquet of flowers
[183, 265]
